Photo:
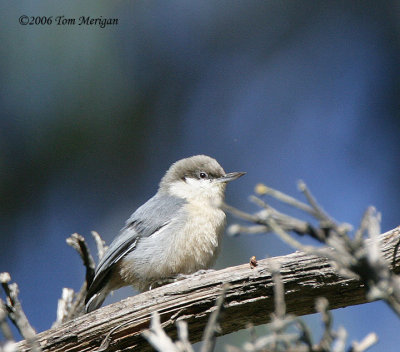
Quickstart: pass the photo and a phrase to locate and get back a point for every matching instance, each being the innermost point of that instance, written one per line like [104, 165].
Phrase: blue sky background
[91, 118]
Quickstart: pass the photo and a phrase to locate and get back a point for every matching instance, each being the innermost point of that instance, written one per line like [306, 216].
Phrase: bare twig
[71, 304]
[322, 306]
[318, 212]
[212, 328]
[157, 336]
[368, 341]
[16, 313]
[241, 214]
[262, 189]
[353, 258]
[279, 292]
[79, 244]
[183, 336]
[305, 333]
[279, 339]
[64, 305]
[341, 338]
[100, 243]
[4, 327]
[262, 226]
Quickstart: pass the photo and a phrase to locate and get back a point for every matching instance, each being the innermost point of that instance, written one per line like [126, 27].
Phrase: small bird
[177, 231]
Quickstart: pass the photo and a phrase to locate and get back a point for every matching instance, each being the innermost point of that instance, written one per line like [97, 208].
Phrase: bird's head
[196, 178]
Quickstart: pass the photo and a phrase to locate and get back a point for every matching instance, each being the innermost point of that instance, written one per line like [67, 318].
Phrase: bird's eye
[203, 175]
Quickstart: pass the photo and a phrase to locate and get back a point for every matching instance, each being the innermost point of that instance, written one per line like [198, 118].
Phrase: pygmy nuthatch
[177, 231]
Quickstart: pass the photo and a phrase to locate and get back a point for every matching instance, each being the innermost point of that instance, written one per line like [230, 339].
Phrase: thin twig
[286, 222]
[305, 336]
[79, 244]
[157, 336]
[4, 327]
[368, 341]
[71, 305]
[319, 213]
[64, 305]
[100, 244]
[16, 313]
[362, 229]
[284, 198]
[183, 336]
[240, 214]
[321, 307]
[352, 258]
[341, 338]
[359, 258]
[279, 292]
[212, 328]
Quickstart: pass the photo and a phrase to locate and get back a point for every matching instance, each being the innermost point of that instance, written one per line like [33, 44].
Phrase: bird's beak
[230, 177]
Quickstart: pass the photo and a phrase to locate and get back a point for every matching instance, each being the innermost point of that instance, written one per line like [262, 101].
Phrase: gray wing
[156, 213]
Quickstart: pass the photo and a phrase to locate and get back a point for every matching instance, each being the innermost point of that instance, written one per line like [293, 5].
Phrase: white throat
[202, 192]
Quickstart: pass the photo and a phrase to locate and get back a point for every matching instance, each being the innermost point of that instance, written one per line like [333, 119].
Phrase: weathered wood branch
[248, 299]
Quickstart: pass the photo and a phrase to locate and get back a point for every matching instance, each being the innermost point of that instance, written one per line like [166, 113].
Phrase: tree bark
[248, 299]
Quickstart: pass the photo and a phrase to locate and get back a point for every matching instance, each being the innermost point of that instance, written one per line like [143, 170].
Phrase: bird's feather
[151, 217]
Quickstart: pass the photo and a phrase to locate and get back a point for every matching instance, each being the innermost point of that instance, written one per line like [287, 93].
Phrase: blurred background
[92, 117]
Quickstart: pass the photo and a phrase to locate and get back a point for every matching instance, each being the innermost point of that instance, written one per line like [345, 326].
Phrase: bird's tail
[96, 300]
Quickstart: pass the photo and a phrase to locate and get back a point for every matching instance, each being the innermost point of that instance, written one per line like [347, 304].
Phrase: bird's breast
[189, 243]
[196, 246]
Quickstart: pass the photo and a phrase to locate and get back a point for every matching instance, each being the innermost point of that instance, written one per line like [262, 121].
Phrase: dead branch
[71, 305]
[288, 333]
[16, 313]
[353, 257]
[4, 327]
[249, 298]
[162, 342]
